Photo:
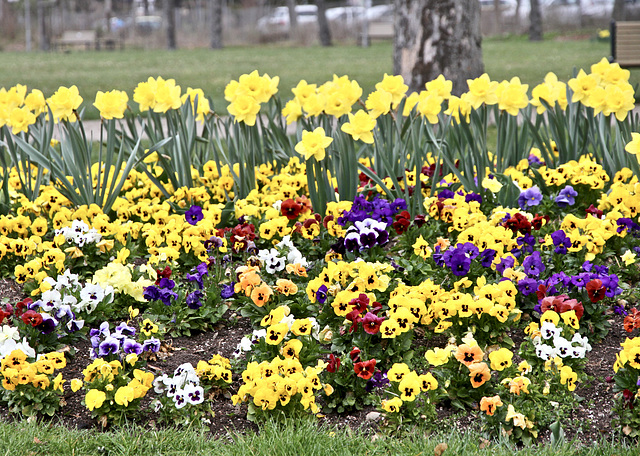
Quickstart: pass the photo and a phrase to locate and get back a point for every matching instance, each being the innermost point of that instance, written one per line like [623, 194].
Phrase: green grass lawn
[301, 438]
[212, 70]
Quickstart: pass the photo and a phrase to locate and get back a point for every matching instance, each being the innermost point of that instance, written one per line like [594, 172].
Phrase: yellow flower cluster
[217, 368]
[455, 211]
[16, 112]
[493, 299]
[622, 200]
[606, 89]
[334, 98]
[16, 371]
[346, 281]
[410, 385]
[630, 354]
[247, 94]
[280, 381]
[99, 377]
[585, 172]
[589, 234]
[120, 276]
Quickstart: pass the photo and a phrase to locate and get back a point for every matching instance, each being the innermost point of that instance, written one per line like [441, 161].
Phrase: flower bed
[390, 259]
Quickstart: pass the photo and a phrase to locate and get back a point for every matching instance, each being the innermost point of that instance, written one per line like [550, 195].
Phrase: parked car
[380, 13]
[146, 24]
[354, 14]
[277, 22]
[345, 14]
[554, 9]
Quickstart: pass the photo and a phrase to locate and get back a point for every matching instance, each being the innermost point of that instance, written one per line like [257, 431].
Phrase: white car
[354, 14]
[277, 22]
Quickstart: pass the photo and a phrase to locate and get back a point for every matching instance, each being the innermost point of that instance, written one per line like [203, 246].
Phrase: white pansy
[9, 332]
[159, 385]
[578, 352]
[549, 330]
[194, 394]
[563, 346]
[258, 334]
[180, 398]
[545, 352]
[289, 319]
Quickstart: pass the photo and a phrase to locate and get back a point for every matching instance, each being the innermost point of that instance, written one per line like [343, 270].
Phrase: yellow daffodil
[313, 144]
[360, 127]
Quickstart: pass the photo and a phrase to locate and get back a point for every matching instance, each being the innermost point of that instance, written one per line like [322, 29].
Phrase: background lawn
[212, 70]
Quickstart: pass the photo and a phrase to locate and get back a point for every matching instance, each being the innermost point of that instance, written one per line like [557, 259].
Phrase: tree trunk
[293, 18]
[170, 13]
[434, 37]
[216, 24]
[619, 11]
[323, 25]
[108, 13]
[497, 13]
[535, 21]
[27, 24]
[43, 37]
[581, 16]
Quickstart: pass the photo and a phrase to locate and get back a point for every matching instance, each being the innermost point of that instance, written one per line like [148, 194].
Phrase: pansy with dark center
[109, 346]
[486, 257]
[533, 265]
[580, 280]
[596, 290]
[561, 241]
[48, 324]
[194, 215]
[32, 318]
[365, 369]
[291, 209]
[151, 345]
[131, 346]
[321, 294]
[459, 263]
[194, 299]
[379, 380]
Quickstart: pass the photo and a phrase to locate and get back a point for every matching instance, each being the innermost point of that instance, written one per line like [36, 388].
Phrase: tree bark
[293, 17]
[619, 12]
[516, 19]
[43, 36]
[216, 24]
[497, 13]
[108, 13]
[323, 25]
[434, 37]
[170, 13]
[535, 21]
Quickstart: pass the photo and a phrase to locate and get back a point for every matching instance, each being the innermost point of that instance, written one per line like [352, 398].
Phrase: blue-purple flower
[530, 197]
[321, 294]
[227, 290]
[193, 300]
[109, 346]
[533, 265]
[561, 241]
[194, 215]
[566, 197]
